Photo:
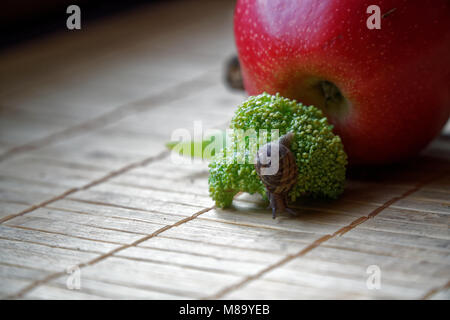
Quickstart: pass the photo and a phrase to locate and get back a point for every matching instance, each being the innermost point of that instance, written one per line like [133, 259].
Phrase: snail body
[278, 174]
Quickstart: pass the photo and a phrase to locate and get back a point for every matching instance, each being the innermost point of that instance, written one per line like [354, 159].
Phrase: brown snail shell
[233, 75]
[280, 178]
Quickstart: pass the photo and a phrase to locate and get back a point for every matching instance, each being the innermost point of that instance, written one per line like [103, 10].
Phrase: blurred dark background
[27, 19]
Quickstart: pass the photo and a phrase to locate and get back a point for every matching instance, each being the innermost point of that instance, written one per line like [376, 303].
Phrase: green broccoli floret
[319, 153]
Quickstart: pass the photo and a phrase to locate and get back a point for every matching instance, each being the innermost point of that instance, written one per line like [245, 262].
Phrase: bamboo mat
[89, 192]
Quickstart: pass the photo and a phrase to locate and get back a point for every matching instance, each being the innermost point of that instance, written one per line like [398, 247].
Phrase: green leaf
[198, 149]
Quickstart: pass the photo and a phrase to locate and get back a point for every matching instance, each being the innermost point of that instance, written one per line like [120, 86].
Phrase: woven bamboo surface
[88, 189]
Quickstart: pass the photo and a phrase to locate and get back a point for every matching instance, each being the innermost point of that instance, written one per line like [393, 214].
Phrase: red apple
[387, 91]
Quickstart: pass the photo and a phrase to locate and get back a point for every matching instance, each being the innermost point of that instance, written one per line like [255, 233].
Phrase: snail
[278, 174]
[233, 76]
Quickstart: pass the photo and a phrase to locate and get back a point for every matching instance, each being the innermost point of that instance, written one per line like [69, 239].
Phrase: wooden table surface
[88, 190]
